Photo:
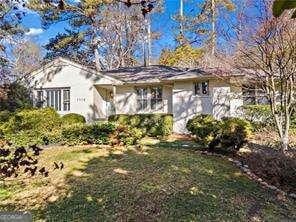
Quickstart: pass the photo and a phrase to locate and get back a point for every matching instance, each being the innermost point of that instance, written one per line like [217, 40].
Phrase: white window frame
[149, 98]
[66, 100]
[142, 99]
[55, 98]
[158, 100]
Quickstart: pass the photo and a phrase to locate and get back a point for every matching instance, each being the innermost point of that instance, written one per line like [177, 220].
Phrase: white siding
[220, 102]
[125, 100]
[84, 97]
[186, 104]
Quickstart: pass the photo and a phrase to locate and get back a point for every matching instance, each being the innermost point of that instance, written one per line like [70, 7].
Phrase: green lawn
[154, 183]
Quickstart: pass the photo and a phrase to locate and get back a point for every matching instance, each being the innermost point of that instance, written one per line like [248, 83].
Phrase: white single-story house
[73, 88]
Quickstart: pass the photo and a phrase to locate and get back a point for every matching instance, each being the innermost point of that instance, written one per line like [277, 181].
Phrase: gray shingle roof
[142, 73]
[160, 73]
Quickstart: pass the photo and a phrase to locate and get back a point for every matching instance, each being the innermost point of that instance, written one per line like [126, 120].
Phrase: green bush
[233, 134]
[258, 114]
[150, 124]
[204, 127]
[227, 135]
[261, 116]
[5, 115]
[124, 135]
[79, 134]
[31, 126]
[72, 118]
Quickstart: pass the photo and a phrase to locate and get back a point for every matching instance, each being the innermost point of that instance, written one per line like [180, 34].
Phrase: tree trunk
[181, 17]
[149, 40]
[213, 31]
[97, 59]
[285, 142]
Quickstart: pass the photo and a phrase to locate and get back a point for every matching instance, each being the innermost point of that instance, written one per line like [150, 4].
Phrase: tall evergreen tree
[99, 29]
[11, 14]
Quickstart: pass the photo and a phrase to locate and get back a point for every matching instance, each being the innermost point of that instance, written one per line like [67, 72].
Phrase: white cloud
[34, 31]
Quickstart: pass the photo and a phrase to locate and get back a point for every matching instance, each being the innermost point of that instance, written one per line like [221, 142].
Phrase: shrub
[258, 114]
[204, 127]
[150, 124]
[228, 135]
[31, 126]
[124, 135]
[17, 96]
[79, 134]
[72, 118]
[261, 116]
[5, 115]
[233, 134]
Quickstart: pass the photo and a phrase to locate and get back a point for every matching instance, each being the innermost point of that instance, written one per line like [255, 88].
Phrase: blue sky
[161, 22]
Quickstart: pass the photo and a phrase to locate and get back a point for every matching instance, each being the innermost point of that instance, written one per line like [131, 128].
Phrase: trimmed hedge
[45, 126]
[226, 135]
[79, 134]
[72, 118]
[124, 135]
[150, 124]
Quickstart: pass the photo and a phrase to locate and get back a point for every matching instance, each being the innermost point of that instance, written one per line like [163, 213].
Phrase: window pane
[52, 98]
[39, 99]
[153, 104]
[39, 96]
[66, 100]
[249, 95]
[142, 102]
[156, 97]
[196, 88]
[59, 105]
[56, 99]
[205, 88]
[47, 98]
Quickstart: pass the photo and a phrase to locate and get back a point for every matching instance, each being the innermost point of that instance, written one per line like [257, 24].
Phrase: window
[156, 97]
[142, 98]
[40, 101]
[57, 98]
[66, 99]
[249, 95]
[201, 88]
[253, 95]
[53, 97]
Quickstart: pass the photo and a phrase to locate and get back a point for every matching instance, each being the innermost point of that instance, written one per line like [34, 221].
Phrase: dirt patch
[272, 165]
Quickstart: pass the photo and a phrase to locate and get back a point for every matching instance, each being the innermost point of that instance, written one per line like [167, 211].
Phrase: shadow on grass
[163, 184]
